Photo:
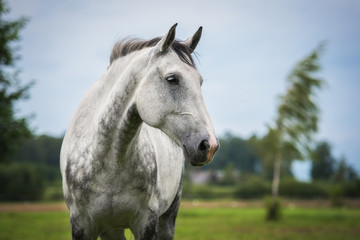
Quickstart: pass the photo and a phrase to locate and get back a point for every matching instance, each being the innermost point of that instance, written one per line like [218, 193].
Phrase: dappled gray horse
[123, 153]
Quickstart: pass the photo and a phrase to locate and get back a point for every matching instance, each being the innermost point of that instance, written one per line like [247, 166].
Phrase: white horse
[123, 155]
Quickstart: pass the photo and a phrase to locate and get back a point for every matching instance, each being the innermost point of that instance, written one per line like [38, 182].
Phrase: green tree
[344, 172]
[297, 116]
[323, 163]
[20, 182]
[12, 128]
[266, 147]
[229, 175]
[43, 150]
[242, 154]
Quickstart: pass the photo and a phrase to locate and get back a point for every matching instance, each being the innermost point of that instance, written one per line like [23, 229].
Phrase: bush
[258, 188]
[20, 182]
[352, 189]
[273, 208]
[336, 194]
[191, 191]
[187, 189]
[203, 192]
[253, 188]
[53, 192]
[294, 189]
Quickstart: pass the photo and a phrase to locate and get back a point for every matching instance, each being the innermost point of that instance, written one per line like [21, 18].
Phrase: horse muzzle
[199, 153]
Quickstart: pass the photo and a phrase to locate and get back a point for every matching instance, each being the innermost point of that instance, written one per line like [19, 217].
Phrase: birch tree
[297, 115]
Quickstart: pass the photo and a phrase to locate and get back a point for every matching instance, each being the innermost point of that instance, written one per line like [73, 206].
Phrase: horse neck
[119, 121]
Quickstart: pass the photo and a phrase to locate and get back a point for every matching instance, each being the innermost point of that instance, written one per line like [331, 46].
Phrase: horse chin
[191, 160]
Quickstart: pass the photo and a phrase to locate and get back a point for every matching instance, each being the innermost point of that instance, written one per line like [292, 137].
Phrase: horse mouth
[190, 159]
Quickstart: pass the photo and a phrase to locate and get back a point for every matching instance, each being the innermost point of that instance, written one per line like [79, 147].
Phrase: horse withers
[123, 154]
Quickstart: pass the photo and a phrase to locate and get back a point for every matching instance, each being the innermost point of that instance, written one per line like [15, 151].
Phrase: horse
[123, 155]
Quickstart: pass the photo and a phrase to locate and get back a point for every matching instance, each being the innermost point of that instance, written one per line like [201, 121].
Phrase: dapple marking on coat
[123, 154]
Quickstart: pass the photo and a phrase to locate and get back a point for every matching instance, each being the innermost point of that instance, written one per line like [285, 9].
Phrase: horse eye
[172, 79]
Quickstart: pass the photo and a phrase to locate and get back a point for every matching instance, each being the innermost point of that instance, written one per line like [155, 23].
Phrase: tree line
[249, 157]
[242, 161]
[244, 155]
[28, 162]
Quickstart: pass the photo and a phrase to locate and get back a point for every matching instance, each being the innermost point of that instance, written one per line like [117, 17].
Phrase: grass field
[202, 222]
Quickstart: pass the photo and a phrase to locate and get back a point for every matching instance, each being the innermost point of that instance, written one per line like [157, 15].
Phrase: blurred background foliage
[242, 168]
[239, 171]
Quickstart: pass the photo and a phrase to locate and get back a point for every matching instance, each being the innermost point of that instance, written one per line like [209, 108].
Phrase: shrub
[273, 208]
[352, 189]
[295, 189]
[253, 188]
[20, 182]
[336, 194]
[203, 191]
[191, 191]
[187, 189]
[53, 192]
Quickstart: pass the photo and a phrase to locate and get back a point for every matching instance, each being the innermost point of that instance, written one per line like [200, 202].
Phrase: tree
[42, 150]
[266, 146]
[20, 182]
[242, 154]
[12, 128]
[323, 163]
[344, 172]
[297, 116]
[229, 175]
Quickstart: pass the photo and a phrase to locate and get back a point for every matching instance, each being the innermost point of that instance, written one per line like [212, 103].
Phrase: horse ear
[166, 41]
[193, 41]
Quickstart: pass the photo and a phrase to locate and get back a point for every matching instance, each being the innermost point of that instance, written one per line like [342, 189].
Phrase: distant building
[200, 177]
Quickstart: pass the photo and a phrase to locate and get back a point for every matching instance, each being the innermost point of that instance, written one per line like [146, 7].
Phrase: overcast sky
[246, 52]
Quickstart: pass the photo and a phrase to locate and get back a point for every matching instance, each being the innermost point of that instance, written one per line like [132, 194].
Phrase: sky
[247, 50]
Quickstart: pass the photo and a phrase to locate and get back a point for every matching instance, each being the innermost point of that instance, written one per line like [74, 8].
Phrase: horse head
[169, 98]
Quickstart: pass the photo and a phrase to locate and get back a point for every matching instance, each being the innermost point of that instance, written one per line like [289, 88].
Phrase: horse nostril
[204, 146]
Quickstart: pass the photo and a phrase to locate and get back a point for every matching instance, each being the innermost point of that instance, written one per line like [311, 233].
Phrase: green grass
[34, 225]
[250, 224]
[203, 223]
